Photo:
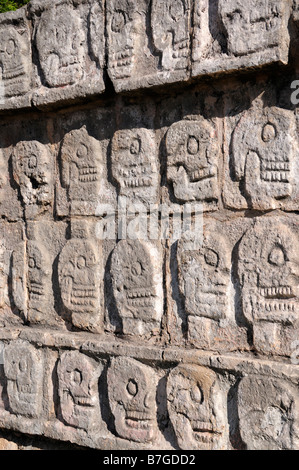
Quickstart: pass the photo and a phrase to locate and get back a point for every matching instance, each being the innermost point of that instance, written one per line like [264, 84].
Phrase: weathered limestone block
[193, 151]
[15, 60]
[23, 367]
[33, 272]
[79, 273]
[132, 391]
[140, 56]
[205, 273]
[33, 171]
[70, 53]
[232, 34]
[136, 272]
[135, 165]
[11, 237]
[81, 165]
[78, 377]
[268, 411]
[263, 161]
[268, 269]
[10, 206]
[196, 408]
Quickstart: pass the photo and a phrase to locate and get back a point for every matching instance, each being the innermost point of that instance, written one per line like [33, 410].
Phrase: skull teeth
[277, 292]
[137, 182]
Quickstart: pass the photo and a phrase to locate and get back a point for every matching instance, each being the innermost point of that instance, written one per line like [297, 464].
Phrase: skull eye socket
[23, 365]
[118, 21]
[193, 145]
[32, 162]
[81, 262]
[136, 269]
[197, 394]
[82, 151]
[32, 263]
[132, 388]
[211, 258]
[135, 148]
[176, 9]
[269, 132]
[11, 47]
[76, 377]
[277, 256]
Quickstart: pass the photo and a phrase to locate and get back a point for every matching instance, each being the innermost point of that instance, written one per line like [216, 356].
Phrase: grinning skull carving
[254, 25]
[134, 163]
[39, 277]
[14, 60]
[268, 412]
[121, 34]
[193, 153]
[205, 277]
[132, 390]
[78, 377]
[60, 46]
[269, 272]
[263, 149]
[33, 172]
[81, 158]
[79, 280]
[23, 369]
[137, 286]
[171, 32]
[195, 407]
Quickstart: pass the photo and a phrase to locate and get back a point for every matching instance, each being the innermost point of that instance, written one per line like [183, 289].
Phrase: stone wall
[117, 333]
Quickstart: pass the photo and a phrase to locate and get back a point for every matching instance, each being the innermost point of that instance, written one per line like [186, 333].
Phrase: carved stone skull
[23, 370]
[33, 172]
[193, 153]
[269, 272]
[134, 163]
[171, 32]
[81, 158]
[78, 377]
[121, 33]
[137, 286]
[195, 407]
[254, 25]
[131, 390]
[205, 277]
[60, 46]
[264, 151]
[14, 60]
[268, 412]
[39, 276]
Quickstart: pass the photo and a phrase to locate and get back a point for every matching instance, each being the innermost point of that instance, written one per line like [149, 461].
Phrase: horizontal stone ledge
[48, 62]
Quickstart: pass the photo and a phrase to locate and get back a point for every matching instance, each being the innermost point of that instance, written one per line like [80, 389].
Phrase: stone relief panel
[171, 23]
[132, 399]
[78, 377]
[263, 161]
[23, 367]
[230, 35]
[33, 172]
[205, 281]
[268, 411]
[33, 290]
[268, 269]
[15, 60]
[136, 272]
[10, 206]
[81, 166]
[135, 165]
[196, 408]
[79, 273]
[193, 153]
[144, 56]
[69, 66]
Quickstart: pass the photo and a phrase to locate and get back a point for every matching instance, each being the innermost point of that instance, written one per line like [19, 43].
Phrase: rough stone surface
[149, 264]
